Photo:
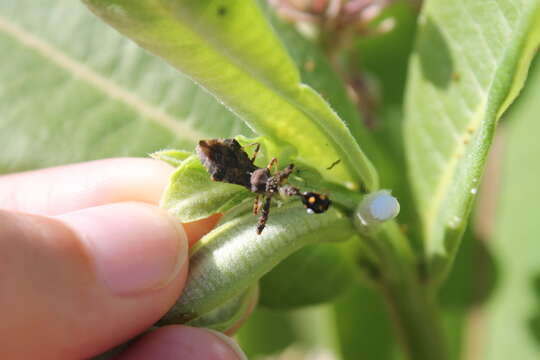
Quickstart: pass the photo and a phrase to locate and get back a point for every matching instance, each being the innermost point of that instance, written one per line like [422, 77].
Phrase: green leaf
[228, 314]
[232, 257]
[363, 328]
[316, 274]
[191, 194]
[316, 71]
[73, 89]
[265, 332]
[171, 156]
[249, 71]
[470, 62]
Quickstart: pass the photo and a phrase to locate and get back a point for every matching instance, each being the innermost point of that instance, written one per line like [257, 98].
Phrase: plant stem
[411, 302]
[416, 320]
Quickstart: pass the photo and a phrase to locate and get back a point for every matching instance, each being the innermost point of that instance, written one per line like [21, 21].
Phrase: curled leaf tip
[172, 157]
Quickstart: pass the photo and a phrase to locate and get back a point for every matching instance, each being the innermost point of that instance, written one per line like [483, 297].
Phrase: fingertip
[88, 280]
[184, 342]
[135, 247]
[62, 189]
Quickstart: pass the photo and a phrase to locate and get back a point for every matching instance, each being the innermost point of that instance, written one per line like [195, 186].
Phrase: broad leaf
[363, 328]
[232, 257]
[265, 332]
[72, 89]
[230, 313]
[470, 62]
[316, 274]
[249, 71]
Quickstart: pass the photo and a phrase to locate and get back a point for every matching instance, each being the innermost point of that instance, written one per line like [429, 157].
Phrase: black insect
[226, 161]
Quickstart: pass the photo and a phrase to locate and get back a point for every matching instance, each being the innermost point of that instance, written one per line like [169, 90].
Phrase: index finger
[62, 189]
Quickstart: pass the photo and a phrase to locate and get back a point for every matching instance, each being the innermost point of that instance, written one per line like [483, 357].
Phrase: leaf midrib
[441, 194]
[90, 76]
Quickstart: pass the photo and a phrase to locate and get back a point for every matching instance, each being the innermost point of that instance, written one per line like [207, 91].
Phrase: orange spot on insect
[312, 200]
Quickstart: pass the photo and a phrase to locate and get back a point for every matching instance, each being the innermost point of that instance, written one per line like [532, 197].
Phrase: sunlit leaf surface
[470, 61]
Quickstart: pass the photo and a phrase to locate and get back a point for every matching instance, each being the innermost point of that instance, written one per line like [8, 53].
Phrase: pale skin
[88, 260]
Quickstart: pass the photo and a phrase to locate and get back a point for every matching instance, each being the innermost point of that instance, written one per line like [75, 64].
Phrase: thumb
[77, 284]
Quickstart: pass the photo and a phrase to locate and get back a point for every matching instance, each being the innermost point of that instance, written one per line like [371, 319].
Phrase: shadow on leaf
[435, 60]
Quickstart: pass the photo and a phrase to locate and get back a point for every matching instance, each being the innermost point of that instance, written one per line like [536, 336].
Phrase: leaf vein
[83, 72]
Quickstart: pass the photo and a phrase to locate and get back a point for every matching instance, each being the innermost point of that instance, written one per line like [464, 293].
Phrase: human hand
[87, 261]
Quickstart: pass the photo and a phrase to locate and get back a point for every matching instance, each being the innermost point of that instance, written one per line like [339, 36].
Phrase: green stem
[411, 302]
[416, 320]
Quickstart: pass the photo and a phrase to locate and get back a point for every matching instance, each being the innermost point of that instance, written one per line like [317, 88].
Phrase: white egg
[377, 207]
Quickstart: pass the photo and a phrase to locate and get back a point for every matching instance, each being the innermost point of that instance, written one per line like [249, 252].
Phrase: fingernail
[233, 345]
[135, 247]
